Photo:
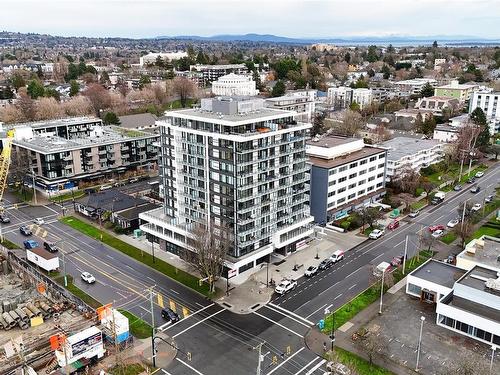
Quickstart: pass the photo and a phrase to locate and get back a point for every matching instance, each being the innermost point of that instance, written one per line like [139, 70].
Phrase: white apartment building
[467, 296]
[489, 102]
[212, 72]
[151, 58]
[234, 84]
[346, 174]
[414, 86]
[301, 101]
[414, 153]
[438, 63]
[437, 104]
[233, 162]
[343, 97]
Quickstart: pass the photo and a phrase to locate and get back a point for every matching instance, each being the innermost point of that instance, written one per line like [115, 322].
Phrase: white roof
[83, 335]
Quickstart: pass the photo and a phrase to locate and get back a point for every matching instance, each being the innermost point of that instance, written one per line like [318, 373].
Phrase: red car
[434, 228]
[393, 225]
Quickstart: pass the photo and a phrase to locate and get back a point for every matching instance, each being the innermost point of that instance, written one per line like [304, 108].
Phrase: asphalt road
[223, 342]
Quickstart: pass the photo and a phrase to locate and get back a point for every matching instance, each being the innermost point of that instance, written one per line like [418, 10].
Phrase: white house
[234, 84]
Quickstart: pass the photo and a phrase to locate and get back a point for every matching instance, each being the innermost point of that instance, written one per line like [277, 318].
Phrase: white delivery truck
[85, 345]
[43, 259]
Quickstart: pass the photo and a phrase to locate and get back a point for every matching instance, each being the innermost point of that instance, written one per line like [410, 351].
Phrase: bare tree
[77, 106]
[427, 185]
[184, 88]
[19, 165]
[351, 122]
[465, 228]
[405, 180]
[26, 105]
[464, 146]
[98, 96]
[11, 114]
[48, 108]
[210, 243]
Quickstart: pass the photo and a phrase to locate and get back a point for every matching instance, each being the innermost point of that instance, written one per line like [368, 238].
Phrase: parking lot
[396, 333]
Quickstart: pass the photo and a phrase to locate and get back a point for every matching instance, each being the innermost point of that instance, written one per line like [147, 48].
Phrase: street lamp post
[381, 292]
[493, 348]
[332, 333]
[422, 320]
[406, 251]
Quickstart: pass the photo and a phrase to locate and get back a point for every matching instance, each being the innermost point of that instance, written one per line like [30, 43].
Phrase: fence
[53, 290]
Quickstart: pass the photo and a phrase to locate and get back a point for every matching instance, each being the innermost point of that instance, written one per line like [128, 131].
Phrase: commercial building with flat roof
[237, 164]
[467, 296]
[345, 174]
[414, 153]
[461, 92]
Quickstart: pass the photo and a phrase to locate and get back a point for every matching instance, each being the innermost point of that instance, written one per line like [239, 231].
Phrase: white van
[383, 267]
[337, 256]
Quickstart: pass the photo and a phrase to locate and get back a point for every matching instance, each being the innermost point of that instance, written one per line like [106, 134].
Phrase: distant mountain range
[395, 39]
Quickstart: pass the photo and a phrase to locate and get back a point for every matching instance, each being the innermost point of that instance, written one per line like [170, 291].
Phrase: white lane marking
[199, 304]
[281, 325]
[315, 311]
[166, 372]
[352, 286]
[189, 366]
[167, 325]
[142, 307]
[340, 295]
[399, 243]
[306, 366]
[315, 367]
[195, 324]
[285, 361]
[288, 316]
[352, 273]
[288, 312]
[176, 292]
[47, 207]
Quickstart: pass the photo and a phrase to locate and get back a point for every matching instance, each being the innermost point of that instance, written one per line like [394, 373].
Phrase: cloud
[294, 18]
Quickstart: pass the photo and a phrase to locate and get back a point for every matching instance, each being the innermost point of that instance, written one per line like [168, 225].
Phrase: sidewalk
[315, 339]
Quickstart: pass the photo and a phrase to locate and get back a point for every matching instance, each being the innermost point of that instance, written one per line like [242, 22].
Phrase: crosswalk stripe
[291, 313]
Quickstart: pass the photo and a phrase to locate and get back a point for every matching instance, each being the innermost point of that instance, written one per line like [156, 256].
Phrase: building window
[342, 179]
[361, 182]
[380, 175]
[370, 188]
[341, 190]
[341, 200]
[371, 169]
[364, 161]
[342, 169]
[445, 320]
[379, 184]
[362, 172]
[381, 165]
[373, 158]
[331, 183]
[483, 335]
[414, 289]
[381, 156]
[332, 172]
[353, 165]
[353, 175]
[245, 267]
[371, 178]
[351, 196]
[352, 186]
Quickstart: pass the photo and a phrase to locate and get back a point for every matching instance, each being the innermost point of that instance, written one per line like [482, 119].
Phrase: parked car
[311, 271]
[30, 244]
[414, 213]
[381, 268]
[434, 228]
[475, 189]
[87, 277]
[326, 263]
[39, 221]
[285, 286]
[476, 207]
[436, 200]
[471, 180]
[337, 256]
[479, 174]
[397, 261]
[133, 180]
[489, 198]
[376, 233]
[50, 247]
[393, 225]
[4, 219]
[437, 233]
[452, 223]
[25, 231]
[170, 315]
[457, 187]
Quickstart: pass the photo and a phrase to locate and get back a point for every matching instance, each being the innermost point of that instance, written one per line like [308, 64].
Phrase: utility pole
[422, 319]
[381, 292]
[406, 251]
[261, 357]
[34, 188]
[152, 326]
[117, 349]
[23, 358]
[153, 249]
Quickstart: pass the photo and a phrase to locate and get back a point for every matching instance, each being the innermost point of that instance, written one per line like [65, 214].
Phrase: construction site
[46, 330]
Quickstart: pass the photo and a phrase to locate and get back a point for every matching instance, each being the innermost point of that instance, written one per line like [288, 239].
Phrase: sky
[291, 18]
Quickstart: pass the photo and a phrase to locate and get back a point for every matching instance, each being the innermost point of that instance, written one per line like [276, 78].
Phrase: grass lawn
[360, 365]
[138, 327]
[9, 244]
[466, 176]
[25, 195]
[67, 196]
[92, 302]
[344, 313]
[132, 251]
[419, 204]
[133, 369]
[448, 238]
[491, 228]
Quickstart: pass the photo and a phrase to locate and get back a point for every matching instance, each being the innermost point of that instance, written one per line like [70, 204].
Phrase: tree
[351, 123]
[278, 89]
[427, 185]
[74, 87]
[111, 118]
[77, 106]
[370, 216]
[51, 92]
[17, 81]
[427, 90]
[318, 124]
[184, 88]
[372, 55]
[144, 80]
[26, 105]
[428, 125]
[210, 245]
[47, 109]
[104, 79]
[435, 44]
[478, 117]
[98, 96]
[465, 228]
[406, 180]
[493, 149]
[386, 71]
[73, 72]
[354, 106]
[11, 114]
[35, 89]
[256, 78]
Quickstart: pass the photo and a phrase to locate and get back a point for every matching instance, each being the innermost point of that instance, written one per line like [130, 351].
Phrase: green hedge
[89, 300]
[139, 255]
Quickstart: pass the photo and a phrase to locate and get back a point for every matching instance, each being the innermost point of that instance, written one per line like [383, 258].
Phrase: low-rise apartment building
[489, 102]
[467, 296]
[234, 84]
[461, 92]
[343, 97]
[213, 72]
[414, 153]
[301, 101]
[345, 174]
[437, 105]
[414, 86]
[62, 154]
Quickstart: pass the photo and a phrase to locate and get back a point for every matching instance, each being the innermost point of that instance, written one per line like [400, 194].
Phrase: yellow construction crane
[4, 164]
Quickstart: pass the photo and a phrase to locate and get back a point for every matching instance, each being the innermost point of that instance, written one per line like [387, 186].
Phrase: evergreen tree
[427, 90]
[110, 118]
[74, 88]
[35, 89]
[278, 89]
